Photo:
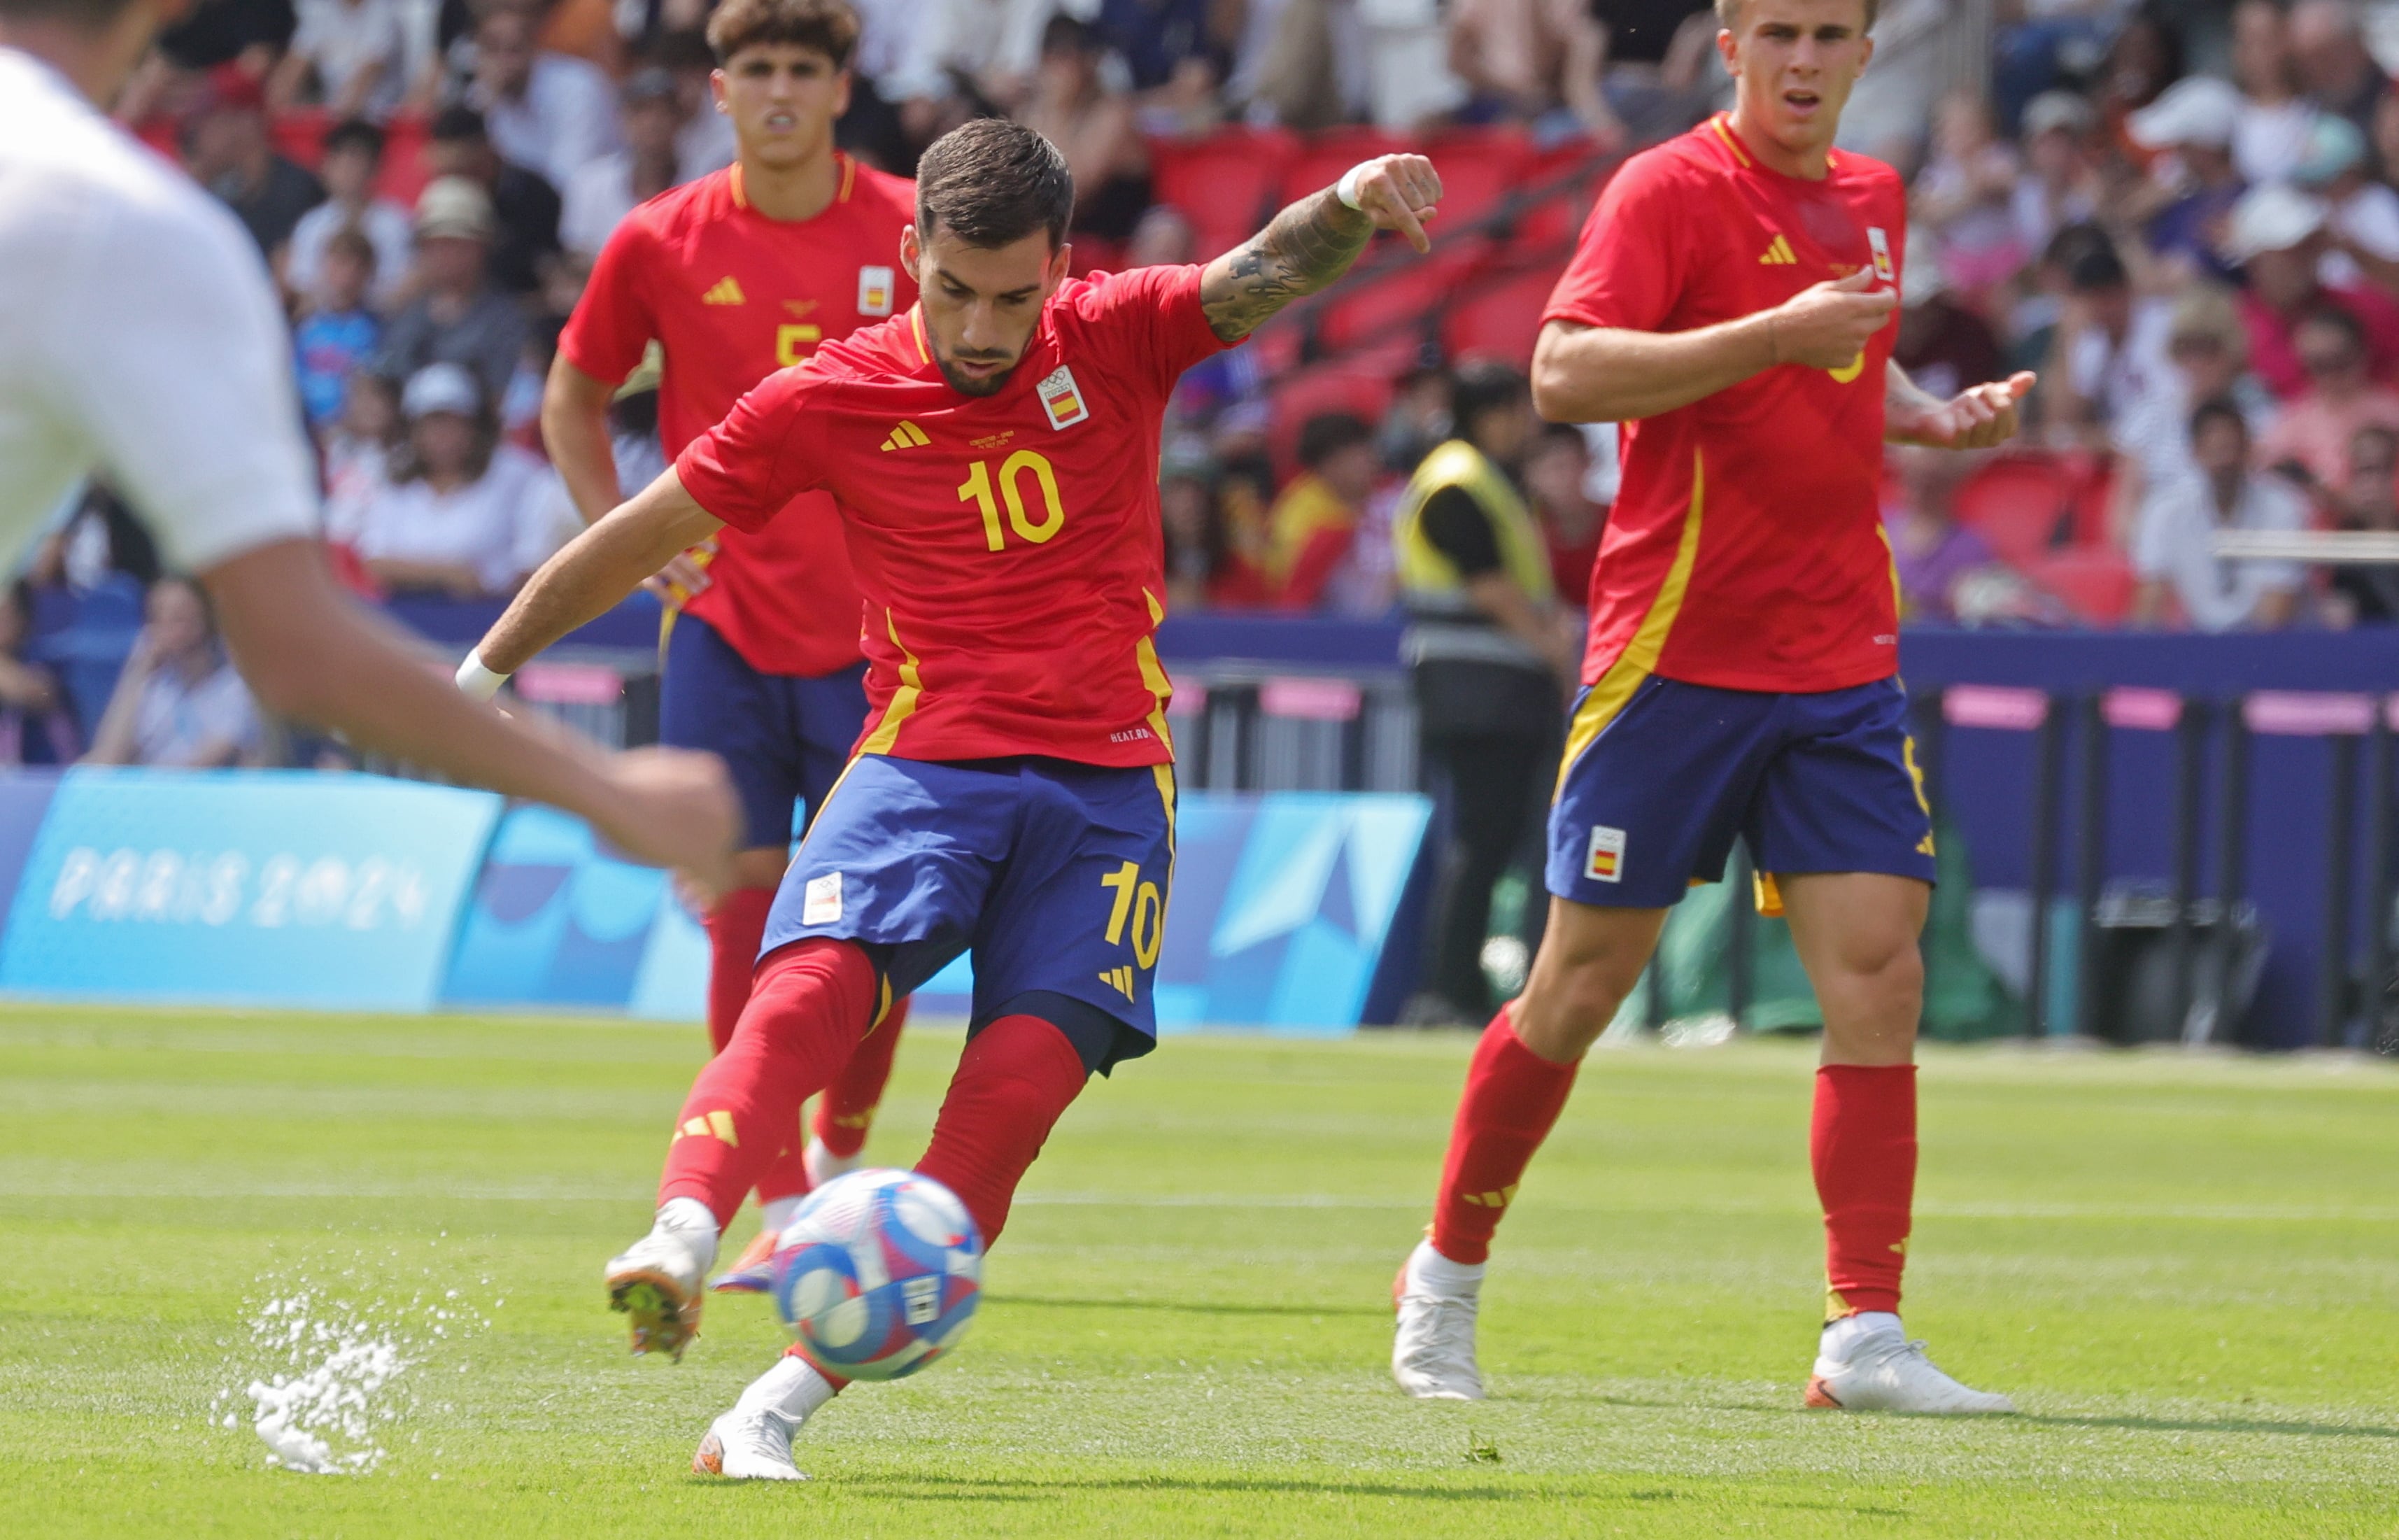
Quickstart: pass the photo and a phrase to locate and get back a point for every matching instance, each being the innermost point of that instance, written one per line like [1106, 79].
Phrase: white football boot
[1432, 1353]
[1867, 1364]
[657, 1280]
[823, 1165]
[753, 1443]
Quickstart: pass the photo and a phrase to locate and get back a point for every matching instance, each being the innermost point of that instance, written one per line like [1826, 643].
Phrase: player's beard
[972, 384]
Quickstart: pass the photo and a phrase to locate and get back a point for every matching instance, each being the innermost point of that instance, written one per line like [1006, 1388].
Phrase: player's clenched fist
[1397, 192]
[1826, 327]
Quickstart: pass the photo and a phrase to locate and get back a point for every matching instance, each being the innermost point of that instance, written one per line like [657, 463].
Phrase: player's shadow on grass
[2219, 1424]
[929, 1488]
[1183, 1307]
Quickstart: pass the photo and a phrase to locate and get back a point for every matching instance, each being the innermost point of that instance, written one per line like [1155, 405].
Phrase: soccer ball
[878, 1275]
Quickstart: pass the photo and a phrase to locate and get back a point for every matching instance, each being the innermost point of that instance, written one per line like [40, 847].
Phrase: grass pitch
[2185, 1271]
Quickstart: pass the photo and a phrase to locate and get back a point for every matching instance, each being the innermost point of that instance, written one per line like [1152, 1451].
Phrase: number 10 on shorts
[1140, 903]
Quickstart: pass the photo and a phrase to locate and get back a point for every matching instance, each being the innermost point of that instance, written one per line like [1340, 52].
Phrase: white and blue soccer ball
[878, 1275]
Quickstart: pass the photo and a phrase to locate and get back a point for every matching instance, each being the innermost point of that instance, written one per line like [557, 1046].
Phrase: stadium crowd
[2184, 217]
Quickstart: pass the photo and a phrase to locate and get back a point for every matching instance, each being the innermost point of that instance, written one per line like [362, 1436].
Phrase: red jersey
[732, 296]
[1745, 548]
[1009, 545]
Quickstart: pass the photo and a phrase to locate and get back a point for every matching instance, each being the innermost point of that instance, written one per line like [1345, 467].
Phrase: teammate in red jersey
[995, 455]
[734, 276]
[1731, 304]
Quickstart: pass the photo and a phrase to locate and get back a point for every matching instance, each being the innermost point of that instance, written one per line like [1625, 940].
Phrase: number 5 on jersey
[977, 489]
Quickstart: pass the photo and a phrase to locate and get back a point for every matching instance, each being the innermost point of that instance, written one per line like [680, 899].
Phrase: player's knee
[1578, 983]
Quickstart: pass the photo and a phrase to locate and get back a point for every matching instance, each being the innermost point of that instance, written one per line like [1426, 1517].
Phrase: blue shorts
[1653, 792]
[783, 738]
[1053, 875]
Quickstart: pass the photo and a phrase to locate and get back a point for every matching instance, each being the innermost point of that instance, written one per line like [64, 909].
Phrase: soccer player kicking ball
[995, 456]
[736, 275]
[1731, 305]
[139, 333]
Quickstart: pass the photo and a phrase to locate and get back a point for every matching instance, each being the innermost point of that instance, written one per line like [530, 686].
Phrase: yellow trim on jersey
[849, 177]
[733, 185]
[1897, 605]
[903, 700]
[1722, 124]
[1603, 700]
[916, 330]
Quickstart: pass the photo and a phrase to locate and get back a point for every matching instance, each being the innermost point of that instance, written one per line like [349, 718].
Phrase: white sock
[1844, 1336]
[776, 1214]
[792, 1387]
[690, 1221]
[1443, 1276]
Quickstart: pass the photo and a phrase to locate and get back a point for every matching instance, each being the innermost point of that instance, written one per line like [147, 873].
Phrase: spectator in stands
[2144, 63]
[965, 59]
[2309, 441]
[2063, 185]
[600, 194]
[1533, 61]
[1493, 655]
[2361, 214]
[1963, 200]
[352, 162]
[1937, 561]
[2208, 350]
[462, 514]
[2333, 67]
[704, 144]
[36, 728]
[101, 546]
[1195, 553]
[2110, 348]
[179, 703]
[1163, 239]
[1301, 63]
[228, 151]
[2277, 238]
[524, 208]
[1944, 346]
[339, 335]
[1094, 125]
[2173, 551]
[1418, 417]
[1310, 529]
[2189, 128]
[544, 111]
[357, 449]
[457, 316]
[2270, 134]
[350, 56]
[2368, 593]
[1167, 46]
[1557, 467]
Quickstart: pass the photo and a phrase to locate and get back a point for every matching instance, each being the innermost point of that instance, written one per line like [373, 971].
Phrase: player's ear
[1056, 274]
[1729, 49]
[841, 93]
[911, 255]
[716, 91]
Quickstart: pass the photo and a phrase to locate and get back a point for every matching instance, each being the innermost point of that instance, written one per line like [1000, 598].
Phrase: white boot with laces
[1432, 1355]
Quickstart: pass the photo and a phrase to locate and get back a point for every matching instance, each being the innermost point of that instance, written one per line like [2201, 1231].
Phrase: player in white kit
[138, 336]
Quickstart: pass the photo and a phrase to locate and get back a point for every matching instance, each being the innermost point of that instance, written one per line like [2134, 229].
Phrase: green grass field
[2185, 1271]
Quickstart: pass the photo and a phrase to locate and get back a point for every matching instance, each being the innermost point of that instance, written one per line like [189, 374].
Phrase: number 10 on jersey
[977, 489]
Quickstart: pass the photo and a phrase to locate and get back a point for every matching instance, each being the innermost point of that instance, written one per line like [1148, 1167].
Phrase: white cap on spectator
[440, 388]
[2054, 110]
[2272, 218]
[2196, 110]
[454, 206]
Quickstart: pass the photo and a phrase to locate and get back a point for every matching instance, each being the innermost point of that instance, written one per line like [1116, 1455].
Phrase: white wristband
[476, 682]
[1347, 188]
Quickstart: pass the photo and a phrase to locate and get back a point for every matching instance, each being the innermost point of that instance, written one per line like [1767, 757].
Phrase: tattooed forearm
[1303, 248]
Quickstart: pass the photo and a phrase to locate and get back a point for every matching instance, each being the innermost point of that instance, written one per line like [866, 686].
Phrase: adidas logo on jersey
[1777, 254]
[1119, 979]
[906, 436]
[724, 292]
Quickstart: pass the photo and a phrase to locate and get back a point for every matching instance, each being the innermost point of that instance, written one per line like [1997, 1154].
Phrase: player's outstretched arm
[1982, 417]
[1314, 241]
[312, 652]
[1606, 373]
[593, 572]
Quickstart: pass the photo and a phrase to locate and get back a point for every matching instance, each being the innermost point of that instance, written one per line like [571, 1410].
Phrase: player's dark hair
[2098, 270]
[351, 133]
[83, 15]
[1729, 15]
[1480, 387]
[991, 182]
[2337, 318]
[454, 124]
[2221, 409]
[1065, 33]
[829, 27]
[1328, 433]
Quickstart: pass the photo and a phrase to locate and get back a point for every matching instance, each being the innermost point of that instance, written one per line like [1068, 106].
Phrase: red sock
[812, 1004]
[1012, 1083]
[737, 928]
[1512, 1096]
[1862, 1142]
[787, 1174]
[847, 1110]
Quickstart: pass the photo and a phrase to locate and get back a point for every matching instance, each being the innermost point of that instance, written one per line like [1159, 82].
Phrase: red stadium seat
[404, 171]
[1360, 387]
[2017, 504]
[1371, 309]
[300, 134]
[1318, 160]
[1225, 185]
[1479, 168]
[2095, 583]
[1503, 318]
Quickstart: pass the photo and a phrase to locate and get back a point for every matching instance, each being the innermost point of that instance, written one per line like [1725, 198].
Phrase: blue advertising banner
[283, 888]
[25, 802]
[553, 919]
